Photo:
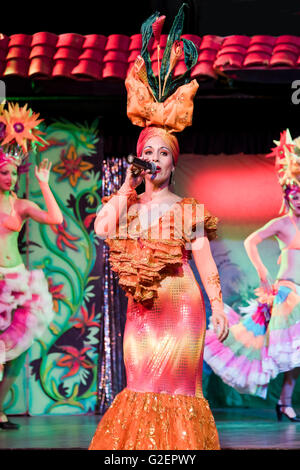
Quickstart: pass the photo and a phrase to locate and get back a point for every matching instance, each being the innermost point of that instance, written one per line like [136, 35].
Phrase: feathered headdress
[287, 163]
[162, 100]
[19, 133]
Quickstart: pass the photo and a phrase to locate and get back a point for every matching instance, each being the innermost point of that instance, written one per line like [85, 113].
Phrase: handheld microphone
[141, 164]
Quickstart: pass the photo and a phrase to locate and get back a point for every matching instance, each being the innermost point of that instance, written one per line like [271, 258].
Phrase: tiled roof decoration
[96, 57]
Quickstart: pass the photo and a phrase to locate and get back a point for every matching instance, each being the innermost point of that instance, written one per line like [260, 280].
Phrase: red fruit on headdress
[176, 53]
[157, 27]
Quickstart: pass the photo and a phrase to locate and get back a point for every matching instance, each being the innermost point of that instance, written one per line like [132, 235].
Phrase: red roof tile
[97, 57]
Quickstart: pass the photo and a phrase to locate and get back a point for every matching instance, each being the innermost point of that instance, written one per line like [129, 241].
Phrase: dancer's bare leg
[289, 382]
[11, 372]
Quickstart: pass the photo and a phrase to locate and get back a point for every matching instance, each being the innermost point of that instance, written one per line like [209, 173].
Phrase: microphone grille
[153, 167]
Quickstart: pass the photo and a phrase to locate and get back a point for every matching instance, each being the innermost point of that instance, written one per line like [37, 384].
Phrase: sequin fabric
[163, 345]
[162, 406]
[150, 421]
[143, 258]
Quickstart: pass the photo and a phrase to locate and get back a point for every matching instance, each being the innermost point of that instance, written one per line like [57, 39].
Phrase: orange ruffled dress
[162, 407]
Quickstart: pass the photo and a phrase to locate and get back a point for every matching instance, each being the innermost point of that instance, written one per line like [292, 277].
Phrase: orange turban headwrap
[154, 131]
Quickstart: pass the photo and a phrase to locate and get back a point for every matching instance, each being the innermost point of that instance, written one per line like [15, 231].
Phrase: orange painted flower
[72, 166]
[21, 126]
[73, 360]
[64, 237]
[86, 320]
[55, 291]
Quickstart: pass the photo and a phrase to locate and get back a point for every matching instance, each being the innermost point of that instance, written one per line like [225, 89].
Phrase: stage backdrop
[77, 367]
[61, 371]
[243, 192]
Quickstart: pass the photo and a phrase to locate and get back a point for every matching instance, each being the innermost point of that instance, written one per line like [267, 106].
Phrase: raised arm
[53, 214]
[211, 281]
[270, 229]
[108, 217]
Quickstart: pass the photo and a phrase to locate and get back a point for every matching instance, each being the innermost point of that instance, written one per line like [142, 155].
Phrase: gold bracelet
[214, 279]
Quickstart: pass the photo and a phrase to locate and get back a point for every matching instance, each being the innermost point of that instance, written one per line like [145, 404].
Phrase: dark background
[221, 17]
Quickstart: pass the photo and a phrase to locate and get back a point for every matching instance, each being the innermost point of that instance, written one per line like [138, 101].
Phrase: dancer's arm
[53, 214]
[270, 229]
[210, 278]
[108, 217]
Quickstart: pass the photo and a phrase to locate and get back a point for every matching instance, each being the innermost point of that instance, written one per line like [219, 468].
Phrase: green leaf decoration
[146, 30]
[189, 50]
[190, 53]
[190, 59]
[174, 35]
[65, 124]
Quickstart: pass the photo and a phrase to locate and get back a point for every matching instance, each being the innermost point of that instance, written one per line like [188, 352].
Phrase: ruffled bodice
[143, 258]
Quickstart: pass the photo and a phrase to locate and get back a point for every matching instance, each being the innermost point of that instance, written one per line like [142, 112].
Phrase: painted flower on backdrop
[51, 143]
[55, 291]
[86, 321]
[83, 136]
[74, 360]
[72, 166]
[89, 219]
[64, 238]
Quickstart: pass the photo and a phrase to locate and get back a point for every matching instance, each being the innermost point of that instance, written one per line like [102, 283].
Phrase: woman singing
[151, 238]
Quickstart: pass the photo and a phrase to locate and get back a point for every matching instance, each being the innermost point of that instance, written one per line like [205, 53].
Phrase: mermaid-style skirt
[162, 406]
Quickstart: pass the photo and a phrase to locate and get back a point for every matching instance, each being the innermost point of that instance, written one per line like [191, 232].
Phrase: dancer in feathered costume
[265, 340]
[25, 302]
[162, 406]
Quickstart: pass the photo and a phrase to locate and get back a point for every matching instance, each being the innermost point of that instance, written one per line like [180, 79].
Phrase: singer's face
[157, 150]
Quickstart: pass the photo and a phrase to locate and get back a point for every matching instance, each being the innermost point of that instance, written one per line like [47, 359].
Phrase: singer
[162, 406]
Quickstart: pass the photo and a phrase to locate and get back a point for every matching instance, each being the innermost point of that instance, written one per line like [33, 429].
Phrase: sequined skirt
[163, 406]
[151, 421]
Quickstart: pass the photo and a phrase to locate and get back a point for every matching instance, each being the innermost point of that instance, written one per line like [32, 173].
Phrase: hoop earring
[172, 180]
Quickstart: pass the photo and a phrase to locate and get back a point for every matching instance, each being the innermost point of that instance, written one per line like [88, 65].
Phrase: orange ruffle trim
[156, 421]
[142, 262]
